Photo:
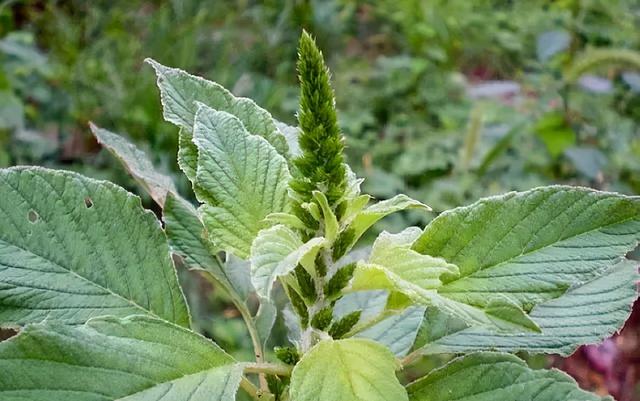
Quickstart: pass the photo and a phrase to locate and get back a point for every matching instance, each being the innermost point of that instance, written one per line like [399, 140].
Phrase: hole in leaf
[33, 216]
[88, 202]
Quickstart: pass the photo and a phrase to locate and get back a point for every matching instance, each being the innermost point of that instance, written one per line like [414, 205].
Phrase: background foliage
[446, 100]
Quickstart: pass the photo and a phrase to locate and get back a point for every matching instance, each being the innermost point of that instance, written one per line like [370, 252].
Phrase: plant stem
[251, 327]
[249, 388]
[270, 368]
[255, 339]
[411, 358]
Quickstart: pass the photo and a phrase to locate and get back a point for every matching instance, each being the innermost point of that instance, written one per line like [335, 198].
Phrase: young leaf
[351, 369]
[133, 359]
[276, 252]
[180, 91]
[137, 164]
[530, 246]
[363, 220]
[72, 248]
[586, 314]
[495, 376]
[186, 238]
[394, 266]
[329, 218]
[242, 180]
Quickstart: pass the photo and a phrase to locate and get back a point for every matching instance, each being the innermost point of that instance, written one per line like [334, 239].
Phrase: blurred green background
[446, 100]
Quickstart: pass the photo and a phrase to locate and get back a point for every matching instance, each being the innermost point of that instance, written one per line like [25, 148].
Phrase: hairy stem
[411, 358]
[250, 389]
[251, 327]
[276, 369]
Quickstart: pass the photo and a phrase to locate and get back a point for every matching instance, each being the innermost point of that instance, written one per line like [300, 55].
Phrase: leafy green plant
[87, 277]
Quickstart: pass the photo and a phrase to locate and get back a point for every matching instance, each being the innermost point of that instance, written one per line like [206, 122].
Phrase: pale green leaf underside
[186, 238]
[584, 315]
[496, 377]
[277, 251]
[531, 246]
[180, 91]
[371, 303]
[394, 253]
[351, 369]
[397, 332]
[243, 179]
[72, 248]
[137, 164]
[291, 134]
[135, 358]
[369, 216]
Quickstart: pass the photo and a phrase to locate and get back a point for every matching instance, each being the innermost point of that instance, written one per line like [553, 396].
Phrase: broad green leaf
[394, 266]
[137, 164]
[531, 246]
[186, 238]
[72, 248]
[242, 180]
[586, 314]
[180, 91]
[394, 251]
[276, 252]
[351, 369]
[366, 218]
[398, 331]
[135, 358]
[496, 377]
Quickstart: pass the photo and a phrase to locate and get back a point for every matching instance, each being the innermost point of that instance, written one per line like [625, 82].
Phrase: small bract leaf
[366, 218]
